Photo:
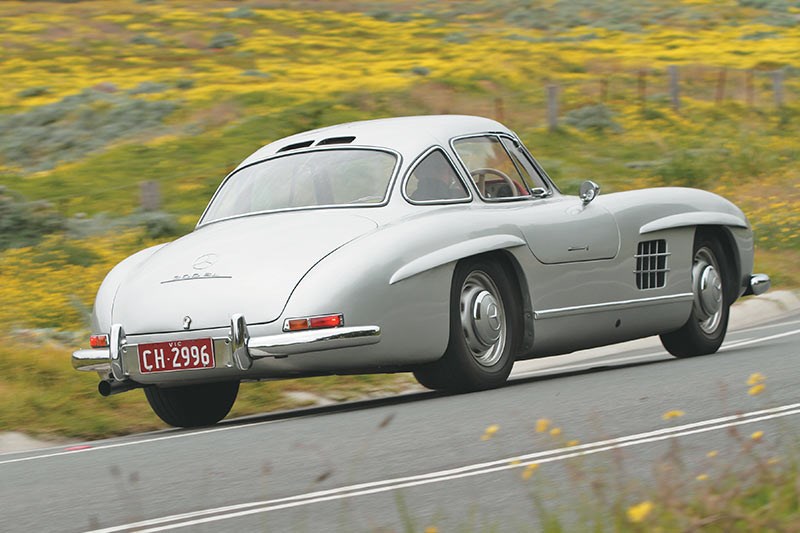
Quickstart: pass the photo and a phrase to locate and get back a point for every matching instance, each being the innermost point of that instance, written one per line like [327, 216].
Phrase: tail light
[313, 322]
[98, 341]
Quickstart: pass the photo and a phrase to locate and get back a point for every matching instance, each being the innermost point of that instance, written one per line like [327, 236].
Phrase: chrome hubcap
[482, 318]
[707, 288]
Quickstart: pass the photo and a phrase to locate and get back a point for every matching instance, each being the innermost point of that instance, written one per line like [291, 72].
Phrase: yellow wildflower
[529, 470]
[773, 460]
[542, 425]
[573, 442]
[637, 513]
[431, 529]
[755, 378]
[756, 389]
[757, 435]
[490, 431]
[702, 477]
[555, 432]
[669, 415]
[712, 454]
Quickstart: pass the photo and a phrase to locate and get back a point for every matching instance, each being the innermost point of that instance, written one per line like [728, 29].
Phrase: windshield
[310, 179]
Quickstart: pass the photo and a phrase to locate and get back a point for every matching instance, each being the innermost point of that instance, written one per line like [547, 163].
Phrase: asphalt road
[420, 459]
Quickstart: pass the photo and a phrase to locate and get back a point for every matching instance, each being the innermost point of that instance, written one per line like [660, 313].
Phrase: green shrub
[24, 223]
[33, 91]
[592, 118]
[223, 40]
[77, 125]
[146, 39]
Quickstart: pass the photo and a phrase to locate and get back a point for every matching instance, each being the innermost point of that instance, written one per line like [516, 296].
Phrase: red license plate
[176, 355]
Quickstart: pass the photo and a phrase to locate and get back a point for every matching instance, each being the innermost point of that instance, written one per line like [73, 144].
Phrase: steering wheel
[480, 172]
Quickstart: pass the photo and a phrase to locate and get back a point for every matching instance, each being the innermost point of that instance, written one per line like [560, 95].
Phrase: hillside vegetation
[98, 96]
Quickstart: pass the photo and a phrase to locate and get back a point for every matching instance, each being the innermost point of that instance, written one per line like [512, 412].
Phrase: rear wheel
[193, 405]
[705, 330]
[485, 326]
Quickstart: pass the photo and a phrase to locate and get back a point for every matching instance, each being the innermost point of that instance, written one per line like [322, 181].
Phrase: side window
[493, 170]
[532, 177]
[434, 179]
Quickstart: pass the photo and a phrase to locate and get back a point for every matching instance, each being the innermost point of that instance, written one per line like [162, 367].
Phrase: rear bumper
[240, 349]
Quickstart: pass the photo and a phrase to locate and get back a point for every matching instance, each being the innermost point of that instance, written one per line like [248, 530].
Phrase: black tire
[465, 366]
[705, 330]
[193, 405]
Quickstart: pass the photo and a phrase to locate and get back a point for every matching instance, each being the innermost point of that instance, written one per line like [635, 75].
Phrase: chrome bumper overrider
[759, 284]
[244, 348]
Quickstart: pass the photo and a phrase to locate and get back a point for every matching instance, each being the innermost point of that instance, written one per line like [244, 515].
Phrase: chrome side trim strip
[611, 306]
[92, 360]
[299, 342]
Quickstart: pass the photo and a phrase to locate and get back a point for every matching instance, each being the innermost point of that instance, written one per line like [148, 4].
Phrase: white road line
[363, 489]
[653, 356]
[132, 442]
[767, 326]
[759, 339]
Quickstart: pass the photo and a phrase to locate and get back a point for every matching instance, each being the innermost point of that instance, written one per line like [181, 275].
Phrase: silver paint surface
[391, 265]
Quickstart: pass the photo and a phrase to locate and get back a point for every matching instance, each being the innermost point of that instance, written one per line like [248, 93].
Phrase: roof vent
[295, 146]
[336, 140]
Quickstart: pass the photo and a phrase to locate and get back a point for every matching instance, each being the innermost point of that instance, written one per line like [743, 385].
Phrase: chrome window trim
[498, 135]
[333, 147]
[551, 185]
[611, 306]
[414, 166]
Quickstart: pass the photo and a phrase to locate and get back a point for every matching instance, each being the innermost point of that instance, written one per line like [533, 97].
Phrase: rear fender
[455, 252]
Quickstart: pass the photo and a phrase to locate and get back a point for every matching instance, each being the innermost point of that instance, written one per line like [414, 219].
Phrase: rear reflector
[316, 322]
[296, 324]
[98, 341]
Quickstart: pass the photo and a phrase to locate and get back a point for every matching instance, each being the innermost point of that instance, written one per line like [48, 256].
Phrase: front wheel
[192, 405]
[485, 325]
[705, 330]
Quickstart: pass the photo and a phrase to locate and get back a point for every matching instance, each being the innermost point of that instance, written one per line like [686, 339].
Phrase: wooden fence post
[499, 110]
[552, 107]
[642, 85]
[721, 79]
[777, 86]
[150, 195]
[674, 88]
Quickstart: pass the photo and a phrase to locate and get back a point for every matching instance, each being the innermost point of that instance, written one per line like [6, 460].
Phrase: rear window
[312, 179]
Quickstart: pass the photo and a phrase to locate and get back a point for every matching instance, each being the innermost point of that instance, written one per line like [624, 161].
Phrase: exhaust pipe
[107, 387]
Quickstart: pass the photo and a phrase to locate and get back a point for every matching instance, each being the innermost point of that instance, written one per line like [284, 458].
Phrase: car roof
[407, 135]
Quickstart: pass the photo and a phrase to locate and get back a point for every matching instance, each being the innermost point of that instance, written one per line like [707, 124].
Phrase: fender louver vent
[651, 264]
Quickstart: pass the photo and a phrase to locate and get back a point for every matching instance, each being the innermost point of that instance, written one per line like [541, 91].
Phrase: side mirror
[589, 191]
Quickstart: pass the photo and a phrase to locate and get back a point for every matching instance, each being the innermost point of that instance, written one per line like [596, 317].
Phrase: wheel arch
[514, 270]
[723, 235]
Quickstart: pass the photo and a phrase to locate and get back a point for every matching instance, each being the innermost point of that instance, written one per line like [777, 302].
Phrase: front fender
[695, 218]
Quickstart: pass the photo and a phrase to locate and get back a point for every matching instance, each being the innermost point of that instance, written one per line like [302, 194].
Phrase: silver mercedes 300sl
[434, 244]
